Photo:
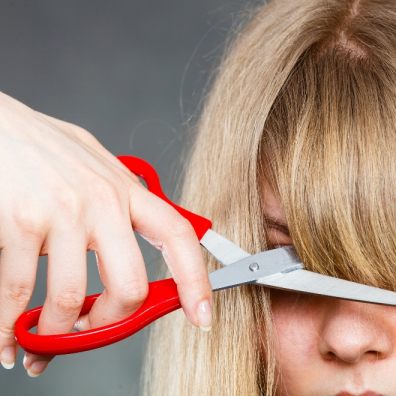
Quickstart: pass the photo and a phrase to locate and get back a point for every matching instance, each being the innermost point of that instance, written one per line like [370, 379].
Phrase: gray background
[132, 73]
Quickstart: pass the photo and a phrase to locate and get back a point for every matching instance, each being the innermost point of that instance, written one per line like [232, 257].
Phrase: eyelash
[280, 230]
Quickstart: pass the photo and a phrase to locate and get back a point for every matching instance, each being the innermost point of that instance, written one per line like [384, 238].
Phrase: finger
[165, 228]
[66, 287]
[18, 267]
[122, 272]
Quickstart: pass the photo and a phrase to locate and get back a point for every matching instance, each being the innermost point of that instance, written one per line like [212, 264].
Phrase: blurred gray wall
[132, 73]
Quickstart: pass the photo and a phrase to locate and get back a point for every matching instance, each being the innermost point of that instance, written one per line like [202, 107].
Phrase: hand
[62, 193]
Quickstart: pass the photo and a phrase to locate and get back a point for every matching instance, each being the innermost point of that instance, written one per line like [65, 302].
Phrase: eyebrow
[272, 221]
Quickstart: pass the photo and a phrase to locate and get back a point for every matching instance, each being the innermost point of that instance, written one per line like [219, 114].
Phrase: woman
[299, 126]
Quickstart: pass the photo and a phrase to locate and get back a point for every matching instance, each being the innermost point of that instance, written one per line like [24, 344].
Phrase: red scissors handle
[162, 296]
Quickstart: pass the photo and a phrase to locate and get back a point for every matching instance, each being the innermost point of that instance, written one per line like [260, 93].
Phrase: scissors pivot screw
[254, 267]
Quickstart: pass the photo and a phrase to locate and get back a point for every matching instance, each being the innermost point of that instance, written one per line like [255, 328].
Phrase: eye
[278, 238]
[281, 229]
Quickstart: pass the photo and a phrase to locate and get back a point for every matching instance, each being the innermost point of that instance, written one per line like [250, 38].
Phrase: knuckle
[85, 135]
[136, 189]
[132, 184]
[6, 332]
[69, 202]
[181, 227]
[131, 294]
[197, 281]
[68, 302]
[27, 219]
[106, 194]
[19, 293]
[132, 179]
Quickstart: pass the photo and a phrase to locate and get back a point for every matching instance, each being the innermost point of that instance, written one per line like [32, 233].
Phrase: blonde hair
[305, 97]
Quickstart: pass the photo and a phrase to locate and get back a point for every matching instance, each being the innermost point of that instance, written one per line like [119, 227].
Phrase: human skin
[61, 194]
[327, 346]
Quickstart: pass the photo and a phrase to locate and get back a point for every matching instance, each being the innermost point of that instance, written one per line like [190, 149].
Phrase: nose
[352, 332]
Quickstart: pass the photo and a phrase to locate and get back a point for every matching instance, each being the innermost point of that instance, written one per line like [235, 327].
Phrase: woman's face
[327, 346]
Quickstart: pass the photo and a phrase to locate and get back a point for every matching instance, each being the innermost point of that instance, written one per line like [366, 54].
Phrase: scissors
[278, 268]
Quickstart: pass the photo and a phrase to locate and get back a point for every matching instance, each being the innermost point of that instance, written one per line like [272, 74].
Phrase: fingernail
[24, 361]
[204, 315]
[77, 325]
[8, 357]
[81, 324]
[37, 368]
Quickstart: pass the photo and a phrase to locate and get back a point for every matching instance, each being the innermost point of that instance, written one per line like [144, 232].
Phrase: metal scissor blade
[254, 267]
[311, 282]
[224, 250]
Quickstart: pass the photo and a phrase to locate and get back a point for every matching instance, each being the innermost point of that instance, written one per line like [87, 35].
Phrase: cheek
[296, 327]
